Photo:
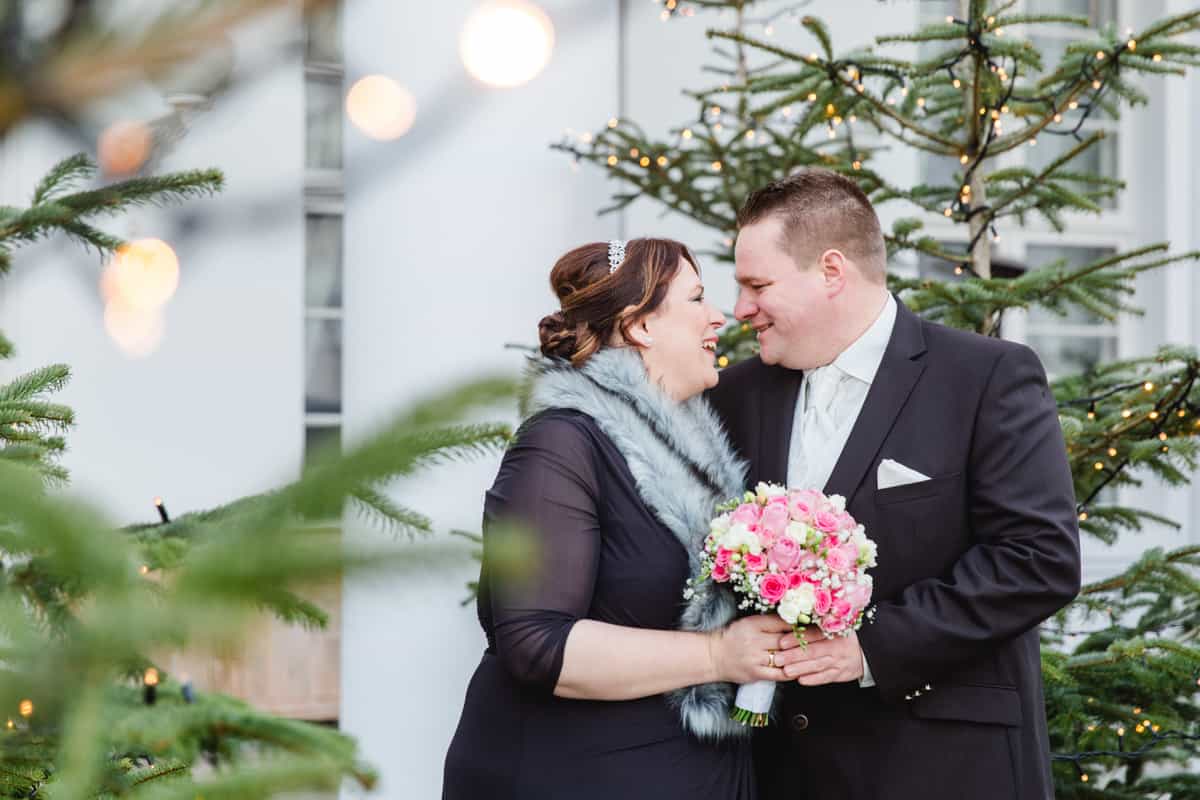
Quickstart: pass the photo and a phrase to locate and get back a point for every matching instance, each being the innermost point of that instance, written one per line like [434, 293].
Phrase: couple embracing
[600, 681]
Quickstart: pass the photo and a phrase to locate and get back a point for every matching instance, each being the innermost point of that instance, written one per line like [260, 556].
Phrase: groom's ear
[833, 266]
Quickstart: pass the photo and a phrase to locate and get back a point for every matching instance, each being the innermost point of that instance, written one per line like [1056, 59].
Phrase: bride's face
[678, 339]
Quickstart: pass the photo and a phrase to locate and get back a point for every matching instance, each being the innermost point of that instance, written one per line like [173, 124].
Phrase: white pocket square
[893, 473]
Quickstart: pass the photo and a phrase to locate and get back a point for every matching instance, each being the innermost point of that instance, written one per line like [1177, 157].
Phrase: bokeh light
[143, 274]
[506, 43]
[380, 107]
[123, 147]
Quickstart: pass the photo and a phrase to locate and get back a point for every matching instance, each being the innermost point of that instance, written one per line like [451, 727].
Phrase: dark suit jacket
[970, 562]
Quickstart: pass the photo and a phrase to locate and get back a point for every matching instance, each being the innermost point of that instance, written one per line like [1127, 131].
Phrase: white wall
[450, 235]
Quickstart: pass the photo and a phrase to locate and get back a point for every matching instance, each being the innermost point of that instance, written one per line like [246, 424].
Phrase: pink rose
[794, 579]
[774, 519]
[755, 562]
[842, 558]
[801, 503]
[772, 588]
[845, 521]
[851, 550]
[723, 555]
[786, 554]
[834, 624]
[842, 609]
[857, 595]
[825, 521]
[822, 601]
[720, 573]
[830, 542]
[747, 514]
[811, 576]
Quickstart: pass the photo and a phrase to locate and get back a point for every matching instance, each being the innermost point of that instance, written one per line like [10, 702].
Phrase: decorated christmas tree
[968, 90]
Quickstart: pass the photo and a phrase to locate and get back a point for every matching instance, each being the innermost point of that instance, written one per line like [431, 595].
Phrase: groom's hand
[822, 661]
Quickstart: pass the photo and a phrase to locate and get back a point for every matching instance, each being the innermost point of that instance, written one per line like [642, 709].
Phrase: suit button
[799, 722]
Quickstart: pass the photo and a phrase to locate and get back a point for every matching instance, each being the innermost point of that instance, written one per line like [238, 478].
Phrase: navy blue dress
[603, 556]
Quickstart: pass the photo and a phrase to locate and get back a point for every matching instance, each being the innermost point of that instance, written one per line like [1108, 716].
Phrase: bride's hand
[741, 651]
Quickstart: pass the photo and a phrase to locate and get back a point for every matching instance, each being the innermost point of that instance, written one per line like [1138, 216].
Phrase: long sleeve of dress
[546, 489]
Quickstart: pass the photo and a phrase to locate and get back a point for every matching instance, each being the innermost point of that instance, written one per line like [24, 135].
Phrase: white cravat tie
[819, 424]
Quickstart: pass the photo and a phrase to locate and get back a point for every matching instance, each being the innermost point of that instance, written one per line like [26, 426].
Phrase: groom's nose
[744, 308]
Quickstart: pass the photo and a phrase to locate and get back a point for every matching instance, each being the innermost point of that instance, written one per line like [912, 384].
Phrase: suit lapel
[778, 410]
[902, 365]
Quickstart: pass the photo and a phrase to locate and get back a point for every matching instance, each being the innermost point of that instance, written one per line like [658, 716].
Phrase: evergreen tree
[1119, 664]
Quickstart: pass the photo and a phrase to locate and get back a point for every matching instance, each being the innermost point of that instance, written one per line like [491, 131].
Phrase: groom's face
[787, 304]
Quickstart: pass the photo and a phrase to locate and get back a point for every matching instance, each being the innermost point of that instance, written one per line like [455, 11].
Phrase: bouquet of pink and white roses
[797, 553]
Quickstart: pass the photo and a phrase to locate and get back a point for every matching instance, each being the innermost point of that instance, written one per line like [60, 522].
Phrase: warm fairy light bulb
[1074, 104]
[612, 122]
[123, 147]
[1112, 452]
[506, 43]
[750, 134]
[1083, 516]
[381, 108]
[1157, 57]
[1127, 413]
[1131, 44]
[957, 83]
[1099, 465]
[150, 678]
[723, 362]
[612, 161]
[633, 152]
[1084, 777]
[644, 161]
[661, 161]
[687, 133]
[1100, 55]
[26, 708]
[948, 211]
[1148, 386]
[10, 725]
[1096, 84]
[143, 570]
[138, 332]
[142, 275]
[716, 166]
[964, 158]
[1153, 415]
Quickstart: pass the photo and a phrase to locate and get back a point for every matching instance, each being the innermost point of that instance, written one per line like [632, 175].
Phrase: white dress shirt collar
[862, 358]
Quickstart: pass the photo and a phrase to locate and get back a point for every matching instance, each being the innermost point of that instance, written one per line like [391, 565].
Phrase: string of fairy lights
[150, 677]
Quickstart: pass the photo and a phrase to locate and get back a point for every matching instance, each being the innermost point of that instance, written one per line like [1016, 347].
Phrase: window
[323, 204]
[1080, 340]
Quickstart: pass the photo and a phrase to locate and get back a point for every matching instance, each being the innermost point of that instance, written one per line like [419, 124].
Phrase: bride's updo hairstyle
[595, 302]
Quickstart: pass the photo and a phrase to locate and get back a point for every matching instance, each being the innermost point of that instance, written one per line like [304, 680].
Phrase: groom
[947, 448]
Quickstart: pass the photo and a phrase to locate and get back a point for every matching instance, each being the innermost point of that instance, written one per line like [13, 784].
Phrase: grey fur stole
[683, 466]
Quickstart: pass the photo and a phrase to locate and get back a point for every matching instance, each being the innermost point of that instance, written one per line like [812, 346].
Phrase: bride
[588, 687]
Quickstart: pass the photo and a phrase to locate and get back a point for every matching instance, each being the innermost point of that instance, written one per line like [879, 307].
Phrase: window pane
[1066, 355]
[323, 259]
[938, 268]
[939, 170]
[1040, 256]
[324, 35]
[323, 98]
[320, 438]
[1098, 159]
[323, 360]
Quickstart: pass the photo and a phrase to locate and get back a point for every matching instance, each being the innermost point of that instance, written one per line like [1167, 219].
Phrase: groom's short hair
[821, 210]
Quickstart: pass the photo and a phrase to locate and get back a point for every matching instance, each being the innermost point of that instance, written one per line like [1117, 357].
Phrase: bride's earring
[649, 341]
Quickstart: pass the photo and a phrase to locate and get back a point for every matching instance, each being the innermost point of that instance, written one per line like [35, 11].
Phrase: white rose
[838, 502]
[797, 532]
[867, 550]
[768, 490]
[739, 536]
[796, 602]
[720, 524]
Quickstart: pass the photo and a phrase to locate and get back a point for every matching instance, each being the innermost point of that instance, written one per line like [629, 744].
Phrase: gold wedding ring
[771, 659]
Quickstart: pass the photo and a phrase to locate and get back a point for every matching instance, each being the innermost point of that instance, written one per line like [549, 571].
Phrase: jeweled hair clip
[616, 254]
